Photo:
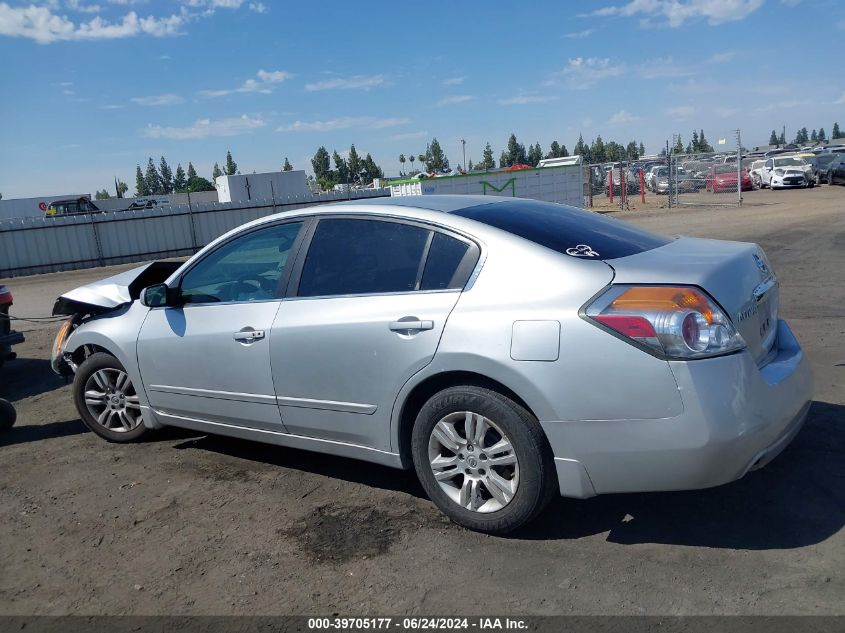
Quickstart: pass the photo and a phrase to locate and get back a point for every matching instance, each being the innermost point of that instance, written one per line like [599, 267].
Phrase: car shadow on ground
[40, 432]
[26, 377]
[795, 501]
[343, 468]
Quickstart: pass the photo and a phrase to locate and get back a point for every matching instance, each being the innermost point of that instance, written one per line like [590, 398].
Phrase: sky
[92, 88]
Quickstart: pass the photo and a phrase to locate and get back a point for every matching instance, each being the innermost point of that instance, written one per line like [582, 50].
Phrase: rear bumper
[737, 417]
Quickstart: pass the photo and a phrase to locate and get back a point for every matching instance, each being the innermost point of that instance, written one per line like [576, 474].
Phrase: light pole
[464, 148]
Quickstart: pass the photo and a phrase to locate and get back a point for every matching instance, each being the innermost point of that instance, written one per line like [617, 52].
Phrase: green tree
[412, 158]
[469, 166]
[835, 133]
[802, 136]
[814, 137]
[216, 172]
[231, 167]
[421, 158]
[341, 168]
[632, 152]
[679, 146]
[487, 160]
[198, 183]
[140, 183]
[321, 164]
[179, 180]
[166, 176]
[503, 159]
[435, 159]
[641, 149]
[703, 145]
[401, 164]
[554, 150]
[192, 173]
[583, 150]
[822, 136]
[120, 188]
[597, 150]
[287, 166]
[370, 171]
[356, 168]
[515, 153]
[782, 139]
[773, 138]
[101, 195]
[693, 146]
[152, 179]
[535, 154]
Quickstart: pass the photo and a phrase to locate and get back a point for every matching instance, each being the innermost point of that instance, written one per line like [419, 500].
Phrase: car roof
[444, 203]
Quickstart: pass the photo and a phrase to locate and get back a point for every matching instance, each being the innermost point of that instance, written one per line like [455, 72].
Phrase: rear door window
[350, 256]
[449, 264]
[564, 229]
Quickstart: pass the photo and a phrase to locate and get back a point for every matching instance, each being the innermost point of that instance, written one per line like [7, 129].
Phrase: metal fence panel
[42, 245]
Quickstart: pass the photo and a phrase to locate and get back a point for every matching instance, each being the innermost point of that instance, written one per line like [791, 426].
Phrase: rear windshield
[565, 229]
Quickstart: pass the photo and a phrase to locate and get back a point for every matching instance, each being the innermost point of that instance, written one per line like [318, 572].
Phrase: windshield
[792, 161]
[726, 169]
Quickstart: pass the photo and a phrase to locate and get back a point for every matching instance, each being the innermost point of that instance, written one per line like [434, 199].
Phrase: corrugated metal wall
[31, 246]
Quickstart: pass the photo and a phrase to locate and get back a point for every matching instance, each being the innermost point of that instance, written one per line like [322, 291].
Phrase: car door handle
[411, 325]
[248, 336]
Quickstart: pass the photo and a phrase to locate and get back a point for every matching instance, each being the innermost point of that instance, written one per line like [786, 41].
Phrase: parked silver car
[504, 348]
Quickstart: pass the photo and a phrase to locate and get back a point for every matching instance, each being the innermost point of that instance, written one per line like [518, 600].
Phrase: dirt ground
[190, 524]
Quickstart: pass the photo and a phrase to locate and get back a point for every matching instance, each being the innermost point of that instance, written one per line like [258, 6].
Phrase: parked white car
[780, 172]
[755, 170]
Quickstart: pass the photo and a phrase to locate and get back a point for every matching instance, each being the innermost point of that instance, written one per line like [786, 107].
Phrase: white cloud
[622, 117]
[266, 79]
[205, 128]
[40, 24]
[840, 100]
[76, 5]
[453, 81]
[360, 82]
[258, 7]
[158, 100]
[721, 58]
[664, 68]
[791, 3]
[111, 106]
[527, 99]
[454, 100]
[676, 12]
[409, 135]
[579, 35]
[583, 72]
[343, 123]
[681, 112]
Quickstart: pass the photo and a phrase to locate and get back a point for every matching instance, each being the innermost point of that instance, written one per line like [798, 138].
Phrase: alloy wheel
[112, 401]
[473, 462]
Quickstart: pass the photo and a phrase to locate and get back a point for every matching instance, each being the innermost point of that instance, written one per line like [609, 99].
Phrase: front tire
[483, 459]
[107, 400]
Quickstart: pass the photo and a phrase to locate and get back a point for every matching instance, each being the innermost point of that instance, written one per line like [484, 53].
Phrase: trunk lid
[736, 274]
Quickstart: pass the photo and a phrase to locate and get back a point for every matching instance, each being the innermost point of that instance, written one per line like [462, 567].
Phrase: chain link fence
[709, 178]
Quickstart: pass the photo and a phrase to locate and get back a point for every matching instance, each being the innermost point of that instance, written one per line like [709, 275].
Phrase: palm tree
[402, 163]
[412, 158]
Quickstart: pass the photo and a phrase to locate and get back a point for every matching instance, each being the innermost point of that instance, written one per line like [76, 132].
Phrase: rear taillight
[5, 296]
[675, 322]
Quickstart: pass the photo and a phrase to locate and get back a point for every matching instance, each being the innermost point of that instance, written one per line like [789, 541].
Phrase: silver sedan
[505, 349]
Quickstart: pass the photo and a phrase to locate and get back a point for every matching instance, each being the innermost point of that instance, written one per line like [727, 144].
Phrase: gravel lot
[190, 524]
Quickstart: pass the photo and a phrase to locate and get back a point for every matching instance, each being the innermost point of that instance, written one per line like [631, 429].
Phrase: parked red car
[722, 179]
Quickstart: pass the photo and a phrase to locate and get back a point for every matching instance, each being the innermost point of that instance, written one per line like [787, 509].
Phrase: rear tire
[107, 400]
[495, 470]
[8, 415]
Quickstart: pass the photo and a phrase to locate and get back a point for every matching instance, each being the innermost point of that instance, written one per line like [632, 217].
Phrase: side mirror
[159, 296]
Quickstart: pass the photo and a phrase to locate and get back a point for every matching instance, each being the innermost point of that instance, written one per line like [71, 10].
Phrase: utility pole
[464, 147]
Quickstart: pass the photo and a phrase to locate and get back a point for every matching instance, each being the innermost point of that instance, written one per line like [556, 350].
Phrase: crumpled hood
[115, 291]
